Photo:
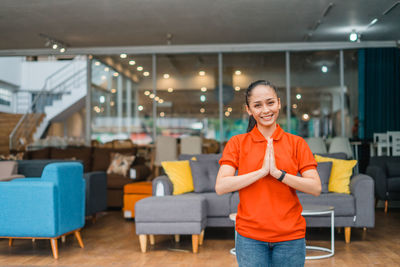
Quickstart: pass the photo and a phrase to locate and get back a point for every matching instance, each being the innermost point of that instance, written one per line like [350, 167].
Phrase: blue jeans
[250, 252]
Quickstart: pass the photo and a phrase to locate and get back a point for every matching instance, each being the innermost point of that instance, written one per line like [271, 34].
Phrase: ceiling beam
[201, 49]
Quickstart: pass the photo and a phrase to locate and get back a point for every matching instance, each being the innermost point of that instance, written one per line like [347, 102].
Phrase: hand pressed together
[269, 165]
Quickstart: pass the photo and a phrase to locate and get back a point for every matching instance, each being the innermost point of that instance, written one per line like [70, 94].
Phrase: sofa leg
[143, 243]
[201, 239]
[177, 238]
[10, 242]
[152, 240]
[386, 206]
[79, 238]
[94, 218]
[339, 230]
[63, 238]
[347, 234]
[195, 243]
[54, 247]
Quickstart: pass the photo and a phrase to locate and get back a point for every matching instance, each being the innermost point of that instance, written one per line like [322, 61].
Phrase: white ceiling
[107, 23]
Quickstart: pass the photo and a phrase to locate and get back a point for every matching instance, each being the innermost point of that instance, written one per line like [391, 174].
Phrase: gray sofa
[386, 173]
[351, 210]
[96, 183]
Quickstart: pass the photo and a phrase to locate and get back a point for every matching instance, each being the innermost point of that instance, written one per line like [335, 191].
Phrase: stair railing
[52, 89]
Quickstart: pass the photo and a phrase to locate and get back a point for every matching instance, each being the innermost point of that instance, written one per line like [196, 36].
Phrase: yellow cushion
[180, 174]
[341, 172]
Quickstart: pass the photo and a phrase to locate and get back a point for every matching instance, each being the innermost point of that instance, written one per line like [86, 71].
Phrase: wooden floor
[112, 241]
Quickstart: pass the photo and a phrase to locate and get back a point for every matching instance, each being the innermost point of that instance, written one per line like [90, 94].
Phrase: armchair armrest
[362, 188]
[28, 208]
[96, 192]
[380, 179]
[162, 186]
[30, 179]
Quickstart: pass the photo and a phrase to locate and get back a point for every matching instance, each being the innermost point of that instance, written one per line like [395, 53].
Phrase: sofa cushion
[216, 205]
[200, 157]
[234, 202]
[101, 157]
[204, 175]
[83, 154]
[344, 203]
[393, 169]
[120, 164]
[338, 155]
[341, 172]
[393, 184]
[324, 171]
[180, 175]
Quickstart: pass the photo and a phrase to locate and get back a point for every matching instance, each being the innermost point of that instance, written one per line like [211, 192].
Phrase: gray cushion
[344, 203]
[177, 208]
[324, 171]
[234, 202]
[199, 157]
[393, 169]
[217, 205]
[338, 155]
[394, 184]
[204, 175]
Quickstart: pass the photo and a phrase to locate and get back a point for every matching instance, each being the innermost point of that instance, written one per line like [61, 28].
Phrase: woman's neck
[267, 131]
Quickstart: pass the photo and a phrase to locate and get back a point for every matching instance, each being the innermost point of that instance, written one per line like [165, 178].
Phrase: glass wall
[239, 70]
[185, 93]
[315, 94]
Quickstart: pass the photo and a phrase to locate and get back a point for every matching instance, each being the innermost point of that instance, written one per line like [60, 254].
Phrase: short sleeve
[305, 157]
[230, 156]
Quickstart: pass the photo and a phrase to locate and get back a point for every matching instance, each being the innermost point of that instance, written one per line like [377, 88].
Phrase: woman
[269, 225]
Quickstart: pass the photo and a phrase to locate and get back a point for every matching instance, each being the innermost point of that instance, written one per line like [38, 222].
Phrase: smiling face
[264, 105]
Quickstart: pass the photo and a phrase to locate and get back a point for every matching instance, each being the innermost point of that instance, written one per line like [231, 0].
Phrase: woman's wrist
[276, 174]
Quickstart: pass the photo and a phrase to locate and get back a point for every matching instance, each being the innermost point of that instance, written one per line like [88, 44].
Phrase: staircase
[63, 94]
[7, 124]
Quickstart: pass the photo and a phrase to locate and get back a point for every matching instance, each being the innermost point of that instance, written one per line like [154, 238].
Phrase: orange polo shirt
[269, 210]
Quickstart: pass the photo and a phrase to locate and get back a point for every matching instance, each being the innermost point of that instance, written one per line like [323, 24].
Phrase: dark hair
[252, 121]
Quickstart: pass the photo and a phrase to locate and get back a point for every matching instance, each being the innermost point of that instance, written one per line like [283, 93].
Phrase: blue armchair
[46, 208]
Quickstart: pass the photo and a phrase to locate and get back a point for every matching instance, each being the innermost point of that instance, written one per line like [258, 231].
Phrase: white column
[288, 104]
[155, 93]
[88, 103]
[128, 120]
[120, 91]
[221, 105]
[342, 93]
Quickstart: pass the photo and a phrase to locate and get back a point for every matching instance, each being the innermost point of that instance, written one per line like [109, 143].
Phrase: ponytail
[252, 123]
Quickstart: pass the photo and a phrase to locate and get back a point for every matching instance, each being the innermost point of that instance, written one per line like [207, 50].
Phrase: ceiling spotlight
[97, 63]
[115, 74]
[353, 37]
[162, 114]
[305, 117]
[170, 90]
[112, 103]
[47, 43]
[298, 96]
[106, 69]
[146, 73]
[147, 92]
[324, 69]
[203, 89]
[294, 106]
[139, 68]
[237, 88]
[166, 76]
[238, 72]
[229, 109]
[202, 110]
[102, 99]
[123, 55]
[103, 77]
[202, 73]
[113, 90]
[202, 98]
[62, 50]
[152, 96]
[227, 113]
[55, 46]
[156, 98]
[132, 62]
[140, 108]
[161, 101]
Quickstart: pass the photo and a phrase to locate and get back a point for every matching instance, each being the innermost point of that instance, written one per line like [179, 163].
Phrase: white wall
[35, 73]
[10, 70]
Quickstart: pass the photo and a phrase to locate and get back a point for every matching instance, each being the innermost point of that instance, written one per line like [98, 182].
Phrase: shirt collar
[257, 136]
